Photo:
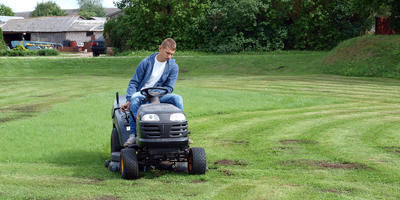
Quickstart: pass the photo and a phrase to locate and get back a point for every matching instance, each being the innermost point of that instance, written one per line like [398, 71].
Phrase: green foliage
[374, 56]
[21, 51]
[320, 24]
[6, 11]
[146, 23]
[47, 52]
[395, 15]
[91, 8]
[3, 45]
[239, 25]
[49, 8]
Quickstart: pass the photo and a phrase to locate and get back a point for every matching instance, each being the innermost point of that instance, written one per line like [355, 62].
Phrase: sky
[29, 5]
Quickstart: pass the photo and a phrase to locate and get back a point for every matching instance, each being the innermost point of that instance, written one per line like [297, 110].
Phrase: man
[157, 70]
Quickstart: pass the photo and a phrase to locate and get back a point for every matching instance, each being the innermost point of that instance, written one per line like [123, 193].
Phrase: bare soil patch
[293, 141]
[198, 181]
[393, 149]
[106, 197]
[325, 164]
[338, 191]
[225, 172]
[230, 162]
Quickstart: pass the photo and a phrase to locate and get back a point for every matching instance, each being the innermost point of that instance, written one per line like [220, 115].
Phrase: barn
[56, 29]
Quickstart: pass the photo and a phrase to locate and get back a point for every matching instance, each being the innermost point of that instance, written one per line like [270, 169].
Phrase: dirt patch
[325, 164]
[106, 197]
[225, 172]
[281, 149]
[346, 191]
[94, 181]
[393, 149]
[298, 141]
[28, 108]
[6, 119]
[282, 67]
[43, 95]
[230, 162]
[198, 181]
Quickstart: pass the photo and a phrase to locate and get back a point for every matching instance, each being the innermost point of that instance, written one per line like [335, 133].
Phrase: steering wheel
[154, 92]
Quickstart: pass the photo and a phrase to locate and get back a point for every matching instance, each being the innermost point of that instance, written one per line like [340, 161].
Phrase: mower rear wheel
[129, 164]
[197, 161]
[115, 144]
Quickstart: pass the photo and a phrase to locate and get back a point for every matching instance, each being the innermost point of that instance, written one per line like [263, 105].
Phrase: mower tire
[129, 164]
[115, 144]
[197, 161]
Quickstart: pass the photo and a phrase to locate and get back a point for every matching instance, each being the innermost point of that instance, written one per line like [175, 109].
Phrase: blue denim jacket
[143, 73]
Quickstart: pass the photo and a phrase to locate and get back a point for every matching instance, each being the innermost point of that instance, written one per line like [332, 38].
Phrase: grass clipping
[372, 56]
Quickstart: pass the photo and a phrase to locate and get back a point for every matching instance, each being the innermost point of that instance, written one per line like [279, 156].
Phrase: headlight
[150, 118]
[177, 117]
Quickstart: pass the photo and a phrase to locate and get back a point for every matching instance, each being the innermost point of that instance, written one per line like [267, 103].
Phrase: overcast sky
[29, 5]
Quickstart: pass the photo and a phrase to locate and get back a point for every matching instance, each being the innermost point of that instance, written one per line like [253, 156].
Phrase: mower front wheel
[115, 144]
[129, 164]
[197, 161]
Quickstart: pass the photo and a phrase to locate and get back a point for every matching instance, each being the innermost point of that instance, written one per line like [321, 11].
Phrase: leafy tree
[321, 24]
[238, 25]
[6, 11]
[49, 8]
[395, 15]
[146, 23]
[91, 8]
[2, 43]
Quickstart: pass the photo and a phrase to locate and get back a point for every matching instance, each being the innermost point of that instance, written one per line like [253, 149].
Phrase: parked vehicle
[98, 46]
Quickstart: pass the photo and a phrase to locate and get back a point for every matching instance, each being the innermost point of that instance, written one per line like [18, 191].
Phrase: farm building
[56, 29]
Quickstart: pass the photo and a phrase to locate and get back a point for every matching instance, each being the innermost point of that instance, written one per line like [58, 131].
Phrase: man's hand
[125, 107]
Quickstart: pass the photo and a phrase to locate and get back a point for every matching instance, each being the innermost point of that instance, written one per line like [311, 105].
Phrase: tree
[2, 43]
[5, 11]
[146, 23]
[91, 8]
[49, 8]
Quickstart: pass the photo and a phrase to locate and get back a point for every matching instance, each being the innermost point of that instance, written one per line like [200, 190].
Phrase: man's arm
[172, 77]
[136, 80]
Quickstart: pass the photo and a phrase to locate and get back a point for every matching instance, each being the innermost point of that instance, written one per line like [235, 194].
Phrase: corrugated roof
[6, 18]
[54, 24]
[69, 12]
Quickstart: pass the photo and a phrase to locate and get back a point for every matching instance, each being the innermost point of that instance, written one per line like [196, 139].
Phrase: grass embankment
[373, 56]
[272, 127]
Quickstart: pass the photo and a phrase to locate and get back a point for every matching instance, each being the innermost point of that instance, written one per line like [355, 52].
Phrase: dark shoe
[131, 140]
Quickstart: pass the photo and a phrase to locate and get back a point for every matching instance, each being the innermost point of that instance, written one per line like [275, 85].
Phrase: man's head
[166, 50]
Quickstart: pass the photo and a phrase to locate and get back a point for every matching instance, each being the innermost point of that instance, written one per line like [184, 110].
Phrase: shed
[54, 29]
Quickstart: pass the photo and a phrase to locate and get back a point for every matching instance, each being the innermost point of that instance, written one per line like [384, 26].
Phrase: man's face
[165, 54]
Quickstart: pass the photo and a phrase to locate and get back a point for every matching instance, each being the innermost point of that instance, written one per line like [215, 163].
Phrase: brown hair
[169, 43]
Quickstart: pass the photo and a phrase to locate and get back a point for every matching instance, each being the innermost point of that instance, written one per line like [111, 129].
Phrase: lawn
[272, 125]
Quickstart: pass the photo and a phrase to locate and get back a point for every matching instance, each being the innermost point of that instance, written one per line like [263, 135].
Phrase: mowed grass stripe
[290, 128]
[309, 89]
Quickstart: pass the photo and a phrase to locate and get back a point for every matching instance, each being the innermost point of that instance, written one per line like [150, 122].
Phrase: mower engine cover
[161, 125]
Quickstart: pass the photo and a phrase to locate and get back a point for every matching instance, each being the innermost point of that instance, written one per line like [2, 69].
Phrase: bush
[47, 52]
[3, 45]
[18, 51]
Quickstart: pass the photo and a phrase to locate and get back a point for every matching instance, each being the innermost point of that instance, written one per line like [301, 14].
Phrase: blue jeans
[138, 99]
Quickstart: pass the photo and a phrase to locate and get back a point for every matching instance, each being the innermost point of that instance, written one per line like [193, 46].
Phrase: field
[272, 125]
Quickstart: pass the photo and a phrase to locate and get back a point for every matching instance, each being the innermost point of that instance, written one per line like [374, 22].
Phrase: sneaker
[190, 141]
[131, 140]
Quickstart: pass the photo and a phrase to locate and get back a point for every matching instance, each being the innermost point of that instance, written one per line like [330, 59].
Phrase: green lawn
[273, 127]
